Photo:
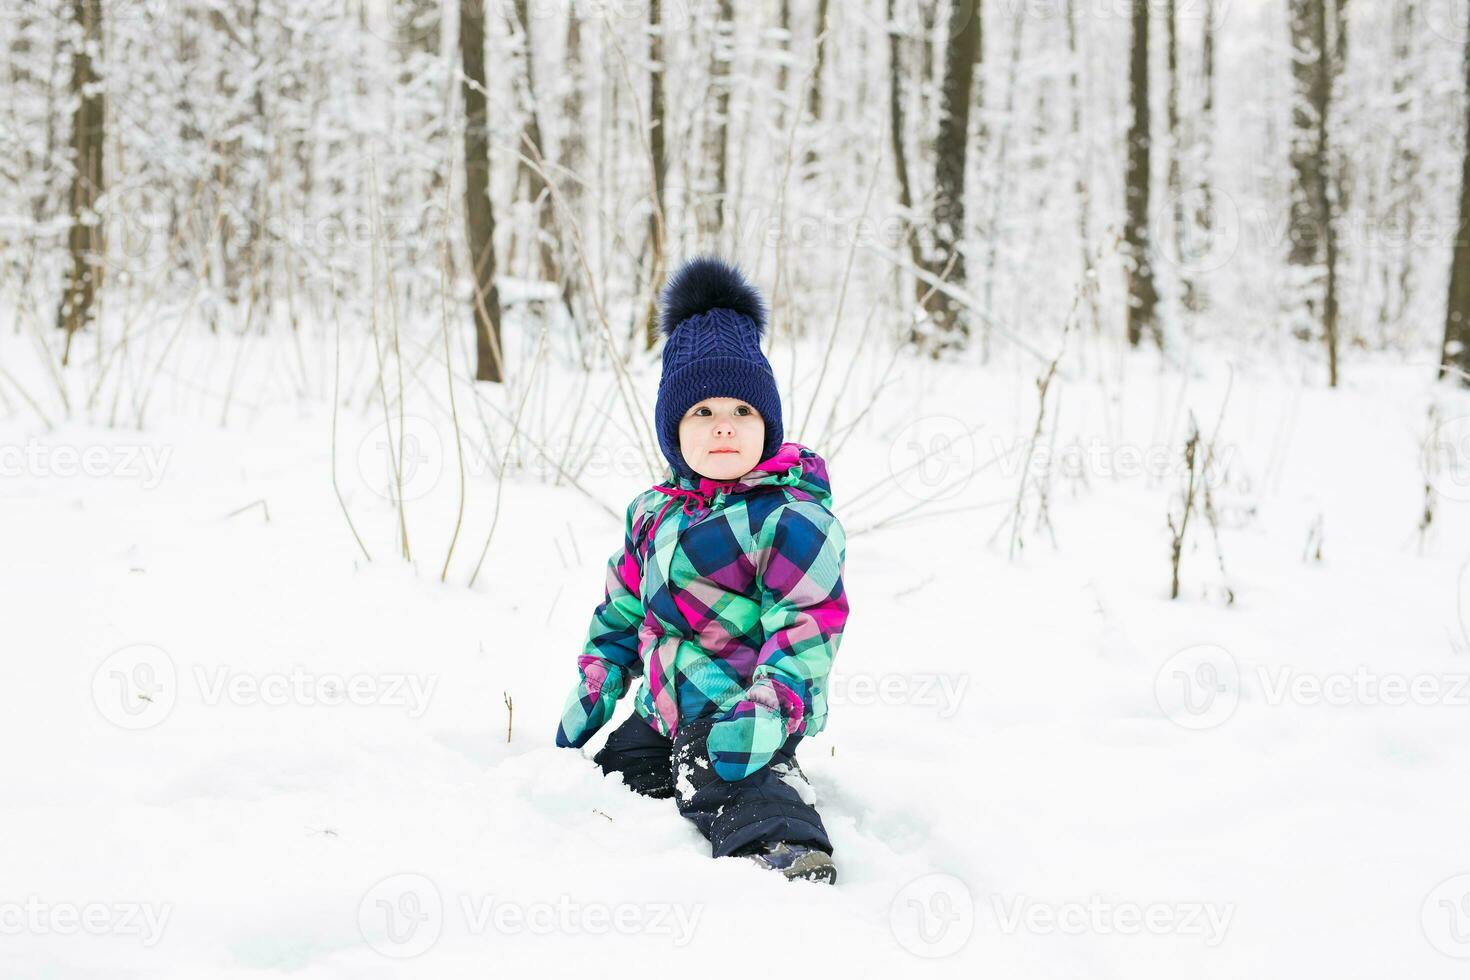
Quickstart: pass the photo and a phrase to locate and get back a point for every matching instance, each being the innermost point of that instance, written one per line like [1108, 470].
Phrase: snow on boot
[791, 774]
[793, 860]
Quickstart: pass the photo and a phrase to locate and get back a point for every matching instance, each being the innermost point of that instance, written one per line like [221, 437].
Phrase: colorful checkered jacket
[725, 596]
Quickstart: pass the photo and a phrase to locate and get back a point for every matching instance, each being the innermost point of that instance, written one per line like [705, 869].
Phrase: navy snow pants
[757, 809]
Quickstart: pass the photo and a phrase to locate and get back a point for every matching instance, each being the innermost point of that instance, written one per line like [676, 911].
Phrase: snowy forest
[1134, 335]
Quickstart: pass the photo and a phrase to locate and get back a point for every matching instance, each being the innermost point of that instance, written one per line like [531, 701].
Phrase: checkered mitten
[744, 738]
[591, 702]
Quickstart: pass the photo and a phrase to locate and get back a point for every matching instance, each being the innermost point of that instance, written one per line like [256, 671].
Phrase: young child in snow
[726, 597]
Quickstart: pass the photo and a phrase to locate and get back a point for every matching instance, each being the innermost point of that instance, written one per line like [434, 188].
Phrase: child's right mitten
[591, 702]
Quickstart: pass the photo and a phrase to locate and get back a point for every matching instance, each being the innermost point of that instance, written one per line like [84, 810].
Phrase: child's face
[721, 438]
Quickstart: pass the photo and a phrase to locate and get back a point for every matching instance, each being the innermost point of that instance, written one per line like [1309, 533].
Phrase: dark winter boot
[793, 860]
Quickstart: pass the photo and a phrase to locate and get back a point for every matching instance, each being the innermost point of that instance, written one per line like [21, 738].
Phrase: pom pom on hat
[707, 283]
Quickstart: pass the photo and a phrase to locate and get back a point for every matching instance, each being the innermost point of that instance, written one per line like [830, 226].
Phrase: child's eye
[739, 410]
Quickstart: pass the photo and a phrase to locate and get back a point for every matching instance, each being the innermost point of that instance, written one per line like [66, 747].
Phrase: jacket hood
[792, 465]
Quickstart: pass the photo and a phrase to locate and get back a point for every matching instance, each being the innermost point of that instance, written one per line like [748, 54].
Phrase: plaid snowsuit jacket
[724, 593]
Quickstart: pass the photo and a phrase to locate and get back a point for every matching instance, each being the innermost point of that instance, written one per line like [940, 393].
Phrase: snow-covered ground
[236, 748]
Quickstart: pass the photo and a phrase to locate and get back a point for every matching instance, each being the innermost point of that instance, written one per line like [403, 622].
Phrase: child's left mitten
[591, 702]
[745, 738]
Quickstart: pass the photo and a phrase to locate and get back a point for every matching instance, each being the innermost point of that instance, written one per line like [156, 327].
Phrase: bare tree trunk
[1177, 148]
[1338, 39]
[479, 215]
[1326, 194]
[45, 199]
[573, 151]
[948, 329]
[258, 219]
[535, 184]
[1455, 352]
[1401, 189]
[1313, 247]
[226, 258]
[85, 239]
[1138, 256]
[1314, 244]
[999, 168]
[1082, 162]
[21, 80]
[573, 147]
[1201, 148]
[895, 113]
[783, 70]
[659, 163]
[896, 142]
[928, 83]
[418, 26]
[814, 92]
[712, 218]
[1305, 229]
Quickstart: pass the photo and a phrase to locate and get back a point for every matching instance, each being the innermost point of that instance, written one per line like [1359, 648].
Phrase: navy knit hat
[712, 320]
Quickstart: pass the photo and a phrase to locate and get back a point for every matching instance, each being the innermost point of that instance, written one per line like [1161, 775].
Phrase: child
[730, 605]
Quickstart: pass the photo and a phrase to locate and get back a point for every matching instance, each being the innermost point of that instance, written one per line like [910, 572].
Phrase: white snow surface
[1017, 776]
